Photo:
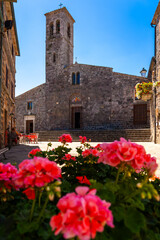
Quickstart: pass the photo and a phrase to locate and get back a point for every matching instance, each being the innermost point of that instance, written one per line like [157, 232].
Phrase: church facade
[78, 96]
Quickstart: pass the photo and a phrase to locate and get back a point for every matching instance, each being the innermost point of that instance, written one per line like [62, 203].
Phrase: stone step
[136, 135]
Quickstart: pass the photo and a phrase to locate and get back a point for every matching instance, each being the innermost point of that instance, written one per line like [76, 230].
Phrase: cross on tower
[60, 5]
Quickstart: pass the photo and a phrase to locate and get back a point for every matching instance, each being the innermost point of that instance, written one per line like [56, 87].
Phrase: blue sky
[107, 33]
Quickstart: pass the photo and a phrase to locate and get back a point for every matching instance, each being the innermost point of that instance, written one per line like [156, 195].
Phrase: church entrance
[76, 117]
[29, 126]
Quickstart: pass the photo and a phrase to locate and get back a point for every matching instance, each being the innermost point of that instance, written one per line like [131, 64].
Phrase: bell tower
[59, 42]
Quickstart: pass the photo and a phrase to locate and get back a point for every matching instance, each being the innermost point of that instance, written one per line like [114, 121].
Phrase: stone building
[9, 49]
[154, 76]
[78, 96]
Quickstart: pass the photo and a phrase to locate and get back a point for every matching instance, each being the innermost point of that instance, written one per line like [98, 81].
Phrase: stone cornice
[156, 14]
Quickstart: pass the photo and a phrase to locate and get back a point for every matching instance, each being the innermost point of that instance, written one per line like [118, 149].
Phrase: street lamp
[143, 72]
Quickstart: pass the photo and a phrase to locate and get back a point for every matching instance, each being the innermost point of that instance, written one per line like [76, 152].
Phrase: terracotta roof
[64, 9]
[157, 12]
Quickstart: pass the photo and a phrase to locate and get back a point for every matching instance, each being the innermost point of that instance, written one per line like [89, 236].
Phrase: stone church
[78, 96]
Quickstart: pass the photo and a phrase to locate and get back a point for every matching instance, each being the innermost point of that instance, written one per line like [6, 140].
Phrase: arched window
[78, 78]
[54, 57]
[69, 31]
[51, 29]
[73, 79]
[58, 26]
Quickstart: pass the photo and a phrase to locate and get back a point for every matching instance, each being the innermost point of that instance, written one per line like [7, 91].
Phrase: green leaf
[134, 220]
[25, 227]
[118, 213]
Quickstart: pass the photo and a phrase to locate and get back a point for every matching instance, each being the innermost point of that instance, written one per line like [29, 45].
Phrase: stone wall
[106, 98]
[37, 97]
[9, 51]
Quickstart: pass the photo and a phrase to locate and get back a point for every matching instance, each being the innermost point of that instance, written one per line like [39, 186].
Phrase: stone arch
[58, 26]
[51, 29]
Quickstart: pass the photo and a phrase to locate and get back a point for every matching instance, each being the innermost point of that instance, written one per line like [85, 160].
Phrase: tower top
[64, 9]
[157, 12]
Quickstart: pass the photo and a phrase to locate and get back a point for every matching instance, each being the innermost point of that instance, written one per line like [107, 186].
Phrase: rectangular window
[29, 106]
[6, 77]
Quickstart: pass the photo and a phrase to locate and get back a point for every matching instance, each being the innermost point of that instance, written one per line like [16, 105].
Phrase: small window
[58, 26]
[78, 78]
[6, 77]
[29, 106]
[54, 57]
[69, 31]
[51, 29]
[73, 79]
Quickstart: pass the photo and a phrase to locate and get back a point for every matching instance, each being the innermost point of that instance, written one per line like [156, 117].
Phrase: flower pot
[146, 97]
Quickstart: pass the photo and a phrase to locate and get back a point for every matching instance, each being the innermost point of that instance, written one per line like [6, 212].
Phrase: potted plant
[144, 90]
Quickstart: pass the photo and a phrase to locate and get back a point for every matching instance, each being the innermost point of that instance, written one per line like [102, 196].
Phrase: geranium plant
[143, 88]
[107, 192]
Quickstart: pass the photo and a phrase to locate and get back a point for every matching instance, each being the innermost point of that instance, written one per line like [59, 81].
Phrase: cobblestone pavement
[20, 152]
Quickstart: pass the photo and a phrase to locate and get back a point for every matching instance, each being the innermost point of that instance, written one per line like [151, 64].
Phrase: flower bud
[51, 196]
[129, 174]
[157, 197]
[143, 195]
[48, 189]
[139, 185]
[149, 195]
[58, 194]
[4, 190]
[57, 183]
[57, 189]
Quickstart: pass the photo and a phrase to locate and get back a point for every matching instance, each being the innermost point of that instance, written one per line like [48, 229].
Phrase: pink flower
[128, 153]
[82, 214]
[82, 139]
[36, 172]
[83, 180]
[33, 152]
[68, 157]
[65, 138]
[7, 173]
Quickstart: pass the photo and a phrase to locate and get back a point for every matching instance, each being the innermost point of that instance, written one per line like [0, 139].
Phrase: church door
[76, 117]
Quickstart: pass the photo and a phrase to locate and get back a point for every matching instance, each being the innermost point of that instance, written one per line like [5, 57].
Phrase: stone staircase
[135, 135]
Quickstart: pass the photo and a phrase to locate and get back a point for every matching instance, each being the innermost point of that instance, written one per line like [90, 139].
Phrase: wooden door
[140, 114]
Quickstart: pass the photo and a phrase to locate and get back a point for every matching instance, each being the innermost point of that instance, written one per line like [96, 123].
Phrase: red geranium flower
[33, 152]
[82, 214]
[82, 139]
[7, 173]
[127, 153]
[30, 193]
[65, 138]
[83, 180]
[68, 157]
[36, 172]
